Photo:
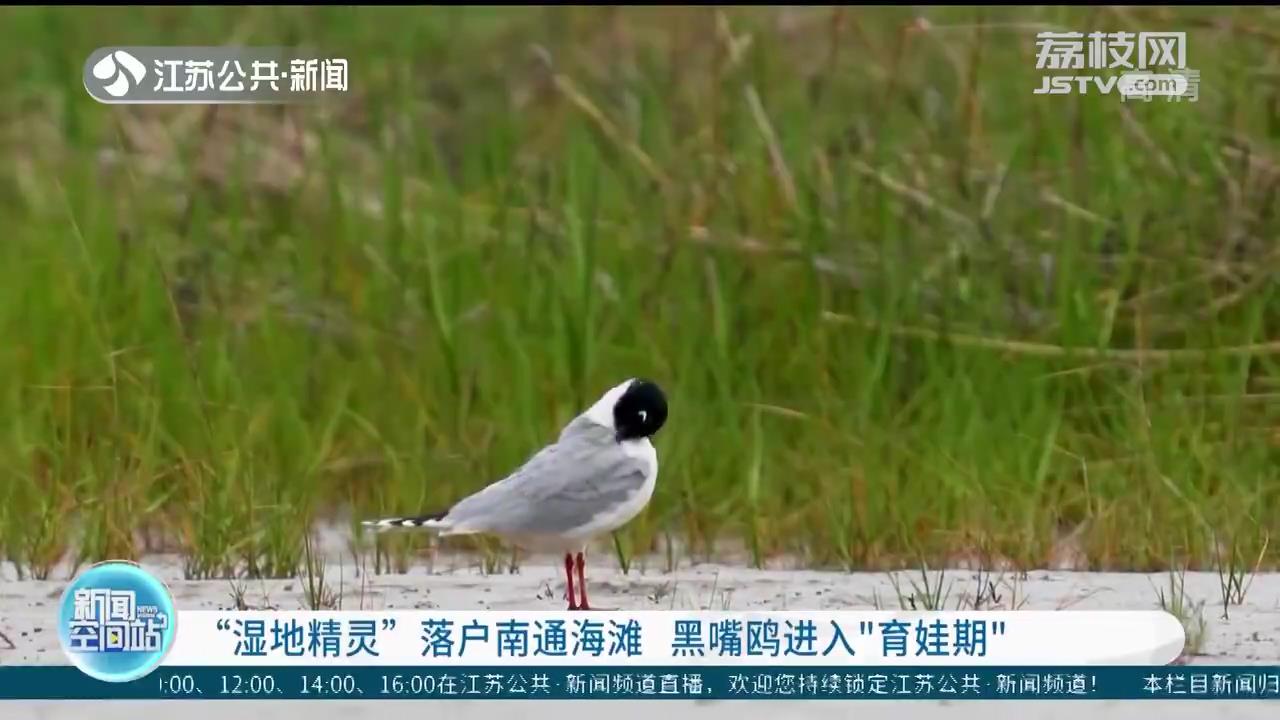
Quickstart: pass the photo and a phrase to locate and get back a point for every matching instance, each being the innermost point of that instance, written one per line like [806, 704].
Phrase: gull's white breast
[610, 519]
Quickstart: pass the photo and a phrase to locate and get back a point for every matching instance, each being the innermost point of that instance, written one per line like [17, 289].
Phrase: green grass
[1188, 611]
[903, 307]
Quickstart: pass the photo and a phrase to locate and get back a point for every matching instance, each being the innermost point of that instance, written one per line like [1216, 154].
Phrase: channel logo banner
[673, 638]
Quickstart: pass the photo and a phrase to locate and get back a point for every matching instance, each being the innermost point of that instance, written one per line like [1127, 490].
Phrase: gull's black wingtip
[396, 523]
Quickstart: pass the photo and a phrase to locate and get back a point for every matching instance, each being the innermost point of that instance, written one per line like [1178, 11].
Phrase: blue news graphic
[657, 682]
[116, 622]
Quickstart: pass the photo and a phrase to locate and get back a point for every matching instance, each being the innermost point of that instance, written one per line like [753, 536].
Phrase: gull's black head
[641, 411]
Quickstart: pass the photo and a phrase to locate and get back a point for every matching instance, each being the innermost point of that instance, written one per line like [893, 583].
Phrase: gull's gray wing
[558, 490]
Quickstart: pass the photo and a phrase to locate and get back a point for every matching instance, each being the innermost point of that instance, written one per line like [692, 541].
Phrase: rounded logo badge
[116, 621]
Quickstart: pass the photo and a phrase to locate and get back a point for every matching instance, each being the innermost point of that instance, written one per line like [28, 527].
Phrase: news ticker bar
[117, 622]
[668, 638]
[593, 682]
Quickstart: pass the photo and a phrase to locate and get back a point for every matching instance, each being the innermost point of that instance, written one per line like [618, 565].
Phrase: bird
[596, 477]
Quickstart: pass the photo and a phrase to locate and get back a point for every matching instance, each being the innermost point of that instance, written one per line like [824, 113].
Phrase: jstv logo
[116, 622]
[1135, 58]
[150, 74]
[114, 71]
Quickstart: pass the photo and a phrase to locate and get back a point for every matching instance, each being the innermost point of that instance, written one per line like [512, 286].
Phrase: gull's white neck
[602, 412]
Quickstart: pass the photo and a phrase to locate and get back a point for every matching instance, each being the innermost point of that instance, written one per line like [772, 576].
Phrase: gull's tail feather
[404, 523]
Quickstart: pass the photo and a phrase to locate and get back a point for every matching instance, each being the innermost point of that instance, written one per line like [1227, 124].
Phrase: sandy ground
[1251, 635]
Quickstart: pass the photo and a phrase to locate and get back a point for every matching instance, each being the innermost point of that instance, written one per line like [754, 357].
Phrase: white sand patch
[1250, 635]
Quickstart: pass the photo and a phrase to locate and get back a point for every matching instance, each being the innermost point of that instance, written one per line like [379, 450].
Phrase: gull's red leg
[582, 582]
[568, 579]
